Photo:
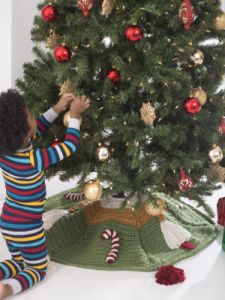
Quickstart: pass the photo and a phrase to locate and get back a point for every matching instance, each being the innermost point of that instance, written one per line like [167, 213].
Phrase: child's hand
[78, 106]
[63, 103]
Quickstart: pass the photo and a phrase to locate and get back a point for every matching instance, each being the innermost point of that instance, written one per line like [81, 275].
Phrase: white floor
[205, 275]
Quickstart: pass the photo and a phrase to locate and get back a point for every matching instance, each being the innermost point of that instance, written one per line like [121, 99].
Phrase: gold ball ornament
[103, 153]
[216, 154]
[198, 57]
[200, 94]
[92, 190]
[220, 22]
[66, 119]
[155, 210]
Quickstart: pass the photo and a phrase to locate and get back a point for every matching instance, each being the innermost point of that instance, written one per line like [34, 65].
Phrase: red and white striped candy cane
[74, 196]
[115, 245]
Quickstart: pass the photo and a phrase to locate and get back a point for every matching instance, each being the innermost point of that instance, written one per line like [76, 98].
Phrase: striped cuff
[50, 115]
[74, 123]
[15, 285]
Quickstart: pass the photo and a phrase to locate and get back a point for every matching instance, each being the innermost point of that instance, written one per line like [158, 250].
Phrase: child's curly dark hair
[13, 122]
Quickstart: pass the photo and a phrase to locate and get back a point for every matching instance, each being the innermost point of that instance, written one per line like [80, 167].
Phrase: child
[23, 171]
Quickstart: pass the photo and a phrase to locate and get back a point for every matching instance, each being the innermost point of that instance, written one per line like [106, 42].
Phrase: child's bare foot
[5, 290]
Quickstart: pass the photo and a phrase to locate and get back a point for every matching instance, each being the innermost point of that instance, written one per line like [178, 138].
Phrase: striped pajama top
[23, 174]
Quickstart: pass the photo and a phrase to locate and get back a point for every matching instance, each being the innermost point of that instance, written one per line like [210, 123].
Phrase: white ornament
[103, 153]
[150, 80]
[154, 166]
[216, 154]
[198, 57]
[107, 42]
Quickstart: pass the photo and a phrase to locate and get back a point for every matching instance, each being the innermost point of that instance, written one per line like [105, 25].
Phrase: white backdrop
[23, 12]
[16, 18]
[5, 49]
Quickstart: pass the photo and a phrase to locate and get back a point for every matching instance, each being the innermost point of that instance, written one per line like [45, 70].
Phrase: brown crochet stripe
[95, 214]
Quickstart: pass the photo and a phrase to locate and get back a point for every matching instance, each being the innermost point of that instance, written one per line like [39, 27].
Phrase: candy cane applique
[115, 244]
[74, 196]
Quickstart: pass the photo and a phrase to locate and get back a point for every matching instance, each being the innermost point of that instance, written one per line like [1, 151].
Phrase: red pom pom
[193, 106]
[133, 33]
[49, 12]
[169, 275]
[188, 245]
[62, 54]
[114, 75]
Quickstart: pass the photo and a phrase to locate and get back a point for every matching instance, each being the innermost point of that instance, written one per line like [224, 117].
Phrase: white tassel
[174, 234]
[52, 216]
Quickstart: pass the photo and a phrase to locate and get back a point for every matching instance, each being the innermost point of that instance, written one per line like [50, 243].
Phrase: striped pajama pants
[28, 264]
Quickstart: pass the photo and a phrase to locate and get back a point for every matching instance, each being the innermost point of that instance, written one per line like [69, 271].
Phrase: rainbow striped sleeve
[42, 158]
[45, 120]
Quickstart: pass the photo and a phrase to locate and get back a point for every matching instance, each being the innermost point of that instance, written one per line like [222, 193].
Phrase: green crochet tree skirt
[76, 238]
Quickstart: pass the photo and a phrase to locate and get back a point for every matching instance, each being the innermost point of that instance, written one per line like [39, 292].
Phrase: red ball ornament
[222, 126]
[185, 182]
[186, 14]
[62, 54]
[193, 106]
[114, 75]
[133, 33]
[49, 13]
[85, 6]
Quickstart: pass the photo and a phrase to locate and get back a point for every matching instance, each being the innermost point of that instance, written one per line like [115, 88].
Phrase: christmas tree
[152, 70]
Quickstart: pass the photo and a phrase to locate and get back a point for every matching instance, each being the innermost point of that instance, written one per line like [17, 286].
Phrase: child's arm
[45, 120]
[43, 158]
